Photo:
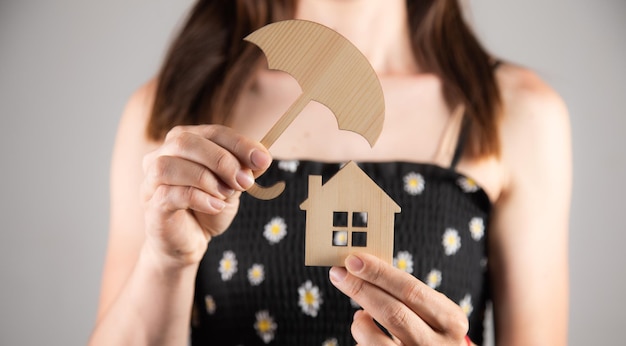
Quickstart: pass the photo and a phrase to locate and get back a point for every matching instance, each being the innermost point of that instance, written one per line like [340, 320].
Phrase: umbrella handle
[267, 193]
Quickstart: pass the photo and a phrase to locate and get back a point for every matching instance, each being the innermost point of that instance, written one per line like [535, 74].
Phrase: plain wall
[67, 68]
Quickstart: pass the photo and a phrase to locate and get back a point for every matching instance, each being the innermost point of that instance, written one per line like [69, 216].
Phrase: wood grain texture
[330, 70]
[349, 191]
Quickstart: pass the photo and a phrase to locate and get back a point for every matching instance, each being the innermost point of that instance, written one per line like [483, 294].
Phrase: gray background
[68, 66]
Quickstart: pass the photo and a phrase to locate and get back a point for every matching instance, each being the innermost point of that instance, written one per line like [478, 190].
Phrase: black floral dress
[253, 288]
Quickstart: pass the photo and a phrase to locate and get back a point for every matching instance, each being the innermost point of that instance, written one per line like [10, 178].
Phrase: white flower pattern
[451, 241]
[275, 230]
[265, 326]
[404, 261]
[477, 228]
[433, 279]
[256, 274]
[414, 183]
[331, 342]
[364, 217]
[483, 263]
[468, 184]
[310, 298]
[466, 305]
[289, 165]
[228, 265]
[209, 304]
[340, 238]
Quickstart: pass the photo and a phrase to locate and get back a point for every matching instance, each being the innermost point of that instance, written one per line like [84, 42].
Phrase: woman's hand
[411, 311]
[192, 186]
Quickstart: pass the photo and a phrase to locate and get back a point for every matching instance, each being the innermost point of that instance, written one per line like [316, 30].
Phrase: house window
[340, 219]
[349, 228]
[359, 239]
[340, 238]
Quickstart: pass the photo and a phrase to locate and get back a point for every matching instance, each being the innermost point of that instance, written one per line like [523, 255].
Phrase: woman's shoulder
[139, 104]
[131, 141]
[526, 94]
[136, 114]
[535, 129]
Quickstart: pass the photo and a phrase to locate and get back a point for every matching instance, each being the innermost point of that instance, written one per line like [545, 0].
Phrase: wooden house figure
[349, 213]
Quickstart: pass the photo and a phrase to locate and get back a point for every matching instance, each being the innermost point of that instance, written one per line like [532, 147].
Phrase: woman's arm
[167, 201]
[529, 232]
[138, 294]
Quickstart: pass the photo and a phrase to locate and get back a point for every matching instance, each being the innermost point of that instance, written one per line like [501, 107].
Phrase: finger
[393, 314]
[433, 307]
[250, 153]
[170, 170]
[222, 162]
[168, 199]
[366, 332]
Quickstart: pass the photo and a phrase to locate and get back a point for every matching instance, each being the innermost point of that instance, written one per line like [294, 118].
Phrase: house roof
[351, 186]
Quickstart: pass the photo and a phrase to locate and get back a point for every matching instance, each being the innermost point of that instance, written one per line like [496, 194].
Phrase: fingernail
[225, 190]
[217, 203]
[244, 179]
[354, 264]
[260, 159]
[337, 274]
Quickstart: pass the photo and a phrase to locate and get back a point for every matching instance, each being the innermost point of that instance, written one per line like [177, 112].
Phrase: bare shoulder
[527, 96]
[137, 111]
[535, 131]
[131, 133]
[529, 225]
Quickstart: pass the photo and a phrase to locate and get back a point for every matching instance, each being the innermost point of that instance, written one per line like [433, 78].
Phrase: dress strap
[451, 142]
[455, 135]
[460, 144]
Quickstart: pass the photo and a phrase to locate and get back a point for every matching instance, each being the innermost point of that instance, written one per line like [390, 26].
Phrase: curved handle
[267, 193]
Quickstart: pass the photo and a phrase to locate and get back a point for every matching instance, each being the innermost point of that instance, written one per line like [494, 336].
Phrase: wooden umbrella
[331, 71]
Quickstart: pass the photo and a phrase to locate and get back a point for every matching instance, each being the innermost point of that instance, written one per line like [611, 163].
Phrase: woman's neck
[379, 29]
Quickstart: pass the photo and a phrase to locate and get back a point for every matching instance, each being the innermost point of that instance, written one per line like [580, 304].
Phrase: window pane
[359, 239]
[340, 238]
[359, 219]
[340, 219]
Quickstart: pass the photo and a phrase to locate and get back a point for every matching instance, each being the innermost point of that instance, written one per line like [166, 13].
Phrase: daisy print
[468, 184]
[433, 279]
[483, 263]
[209, 304]
[275, 230]
[451, 241]
[310, 298]
[414, 183]
[289, 165]
[363, 216]
[466, 305]
[228, 265]
[477, 228]
[265, 326]
[340, 238]
[404, 261]
[256, 274]
[330, 342]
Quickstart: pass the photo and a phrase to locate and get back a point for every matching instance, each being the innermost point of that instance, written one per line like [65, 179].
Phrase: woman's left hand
[411, 311]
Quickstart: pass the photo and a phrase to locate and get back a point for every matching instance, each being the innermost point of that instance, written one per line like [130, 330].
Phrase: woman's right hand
[191, 188]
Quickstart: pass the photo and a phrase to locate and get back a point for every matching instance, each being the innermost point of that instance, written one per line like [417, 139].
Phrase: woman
[188, 142]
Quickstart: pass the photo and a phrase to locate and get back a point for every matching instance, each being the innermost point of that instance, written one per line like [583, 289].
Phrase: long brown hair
[208, 64]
